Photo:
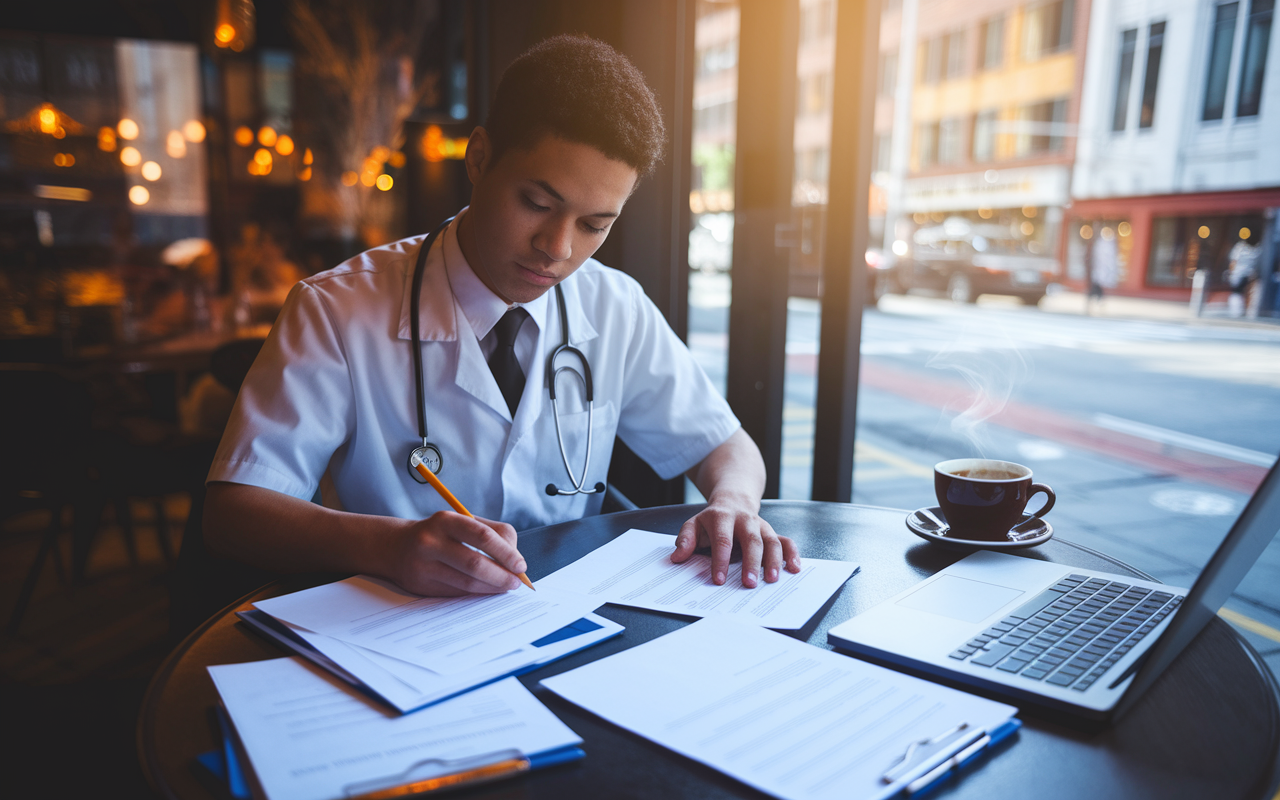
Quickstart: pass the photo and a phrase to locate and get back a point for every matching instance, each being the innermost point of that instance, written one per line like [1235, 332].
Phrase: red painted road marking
[1062, 428]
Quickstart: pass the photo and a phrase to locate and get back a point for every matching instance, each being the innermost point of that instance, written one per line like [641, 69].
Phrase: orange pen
[453, 501]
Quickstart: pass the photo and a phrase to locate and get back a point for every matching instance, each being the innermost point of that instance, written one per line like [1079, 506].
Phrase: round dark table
[1209, 728]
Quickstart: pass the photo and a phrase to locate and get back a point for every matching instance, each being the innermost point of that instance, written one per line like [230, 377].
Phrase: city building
[972, 199]
[1177, 162]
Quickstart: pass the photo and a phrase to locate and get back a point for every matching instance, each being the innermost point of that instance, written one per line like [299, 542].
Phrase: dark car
[964, 259]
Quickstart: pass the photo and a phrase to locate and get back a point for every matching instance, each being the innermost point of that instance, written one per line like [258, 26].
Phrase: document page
[408, 686]
[788, 718]
[636, 570]
[309, 737]
[447, 635]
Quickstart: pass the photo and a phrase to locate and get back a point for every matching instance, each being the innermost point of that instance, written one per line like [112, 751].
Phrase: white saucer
[923, 522]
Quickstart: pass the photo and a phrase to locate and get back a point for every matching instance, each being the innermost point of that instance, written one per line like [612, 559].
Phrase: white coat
[333, 389]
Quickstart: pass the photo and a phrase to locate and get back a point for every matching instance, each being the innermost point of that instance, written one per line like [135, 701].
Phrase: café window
[1182, 245]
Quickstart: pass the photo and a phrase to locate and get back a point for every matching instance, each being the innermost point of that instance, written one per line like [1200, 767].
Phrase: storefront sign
[994, 188]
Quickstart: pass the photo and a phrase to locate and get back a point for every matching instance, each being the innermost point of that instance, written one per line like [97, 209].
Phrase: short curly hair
[581, 90]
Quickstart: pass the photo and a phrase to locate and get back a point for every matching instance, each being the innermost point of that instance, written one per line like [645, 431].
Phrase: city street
[1152, 431]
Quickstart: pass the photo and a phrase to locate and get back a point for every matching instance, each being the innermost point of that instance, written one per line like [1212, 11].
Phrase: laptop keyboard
[1071, 633]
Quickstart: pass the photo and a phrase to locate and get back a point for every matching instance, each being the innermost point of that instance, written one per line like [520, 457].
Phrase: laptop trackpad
[960, 598]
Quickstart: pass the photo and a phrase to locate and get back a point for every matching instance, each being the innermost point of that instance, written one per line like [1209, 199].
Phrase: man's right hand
[450, 554]
[433, 556]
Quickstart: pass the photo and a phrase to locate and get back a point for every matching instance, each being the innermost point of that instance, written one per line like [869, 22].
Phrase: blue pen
[962, 759]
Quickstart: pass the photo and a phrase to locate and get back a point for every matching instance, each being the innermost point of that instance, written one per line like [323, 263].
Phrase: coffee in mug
[983, 498]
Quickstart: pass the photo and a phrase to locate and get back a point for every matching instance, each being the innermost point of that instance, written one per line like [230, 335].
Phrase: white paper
[445, 634]
[791, 719]
[309, 737]
[635, 569]
[408, 686]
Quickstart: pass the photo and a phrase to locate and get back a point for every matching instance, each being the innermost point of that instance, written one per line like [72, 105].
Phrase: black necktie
[503, 363]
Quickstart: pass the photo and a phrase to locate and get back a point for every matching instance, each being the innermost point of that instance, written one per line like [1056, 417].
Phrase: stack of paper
[413, 651]
[636, 570]
[309, 738]
[791, 719]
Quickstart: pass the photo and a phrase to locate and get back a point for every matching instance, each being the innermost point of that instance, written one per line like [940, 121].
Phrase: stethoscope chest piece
[429, 455]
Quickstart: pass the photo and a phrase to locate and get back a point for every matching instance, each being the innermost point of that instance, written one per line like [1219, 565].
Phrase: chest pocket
[550, 467]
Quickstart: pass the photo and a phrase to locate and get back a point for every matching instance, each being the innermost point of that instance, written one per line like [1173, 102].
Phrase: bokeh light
[151, 171]
[130, 157]
[139, 195]
[194, 130]
[128, 129]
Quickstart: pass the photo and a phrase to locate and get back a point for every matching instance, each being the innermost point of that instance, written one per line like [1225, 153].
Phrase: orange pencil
[455, 502]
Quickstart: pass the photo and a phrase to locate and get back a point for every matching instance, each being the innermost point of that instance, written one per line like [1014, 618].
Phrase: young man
[573, 128]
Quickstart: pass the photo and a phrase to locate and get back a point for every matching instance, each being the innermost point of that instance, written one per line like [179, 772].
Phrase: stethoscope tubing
[552, 373]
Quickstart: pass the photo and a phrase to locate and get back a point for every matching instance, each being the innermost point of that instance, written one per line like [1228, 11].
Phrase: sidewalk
[1118, 307]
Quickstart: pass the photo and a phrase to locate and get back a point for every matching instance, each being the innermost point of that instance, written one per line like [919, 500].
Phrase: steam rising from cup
[993, 366]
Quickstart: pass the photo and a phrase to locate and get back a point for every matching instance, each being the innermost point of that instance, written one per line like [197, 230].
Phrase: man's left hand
[729, 520]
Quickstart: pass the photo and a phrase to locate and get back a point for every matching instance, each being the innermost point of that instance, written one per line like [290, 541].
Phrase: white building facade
[1178, 155]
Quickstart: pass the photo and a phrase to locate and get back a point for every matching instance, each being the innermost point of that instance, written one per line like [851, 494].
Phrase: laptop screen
[1252, 532]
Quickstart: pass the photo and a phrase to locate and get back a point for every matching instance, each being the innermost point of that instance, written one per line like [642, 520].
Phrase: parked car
[964, 259]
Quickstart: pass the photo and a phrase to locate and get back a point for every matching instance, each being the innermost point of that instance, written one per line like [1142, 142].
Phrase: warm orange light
[151, 171]
[244, 136]
[48, 119]
[267, 136]
[396, 160]
[263, 157]
[59, 132]
[1027, 228]
[306, 156]
[1204, 231]
[128, 129]
[384, 182]
[305, 175]
[64, 160]
[194, 131]
[380, 154]
[258, 168]
[284, 145]
[224, 34]
[139, 195]
[106, 139]
[130, 157]
[1086, 231]
[438, 147]
[368, 178]
[175, 145]
[349, 178]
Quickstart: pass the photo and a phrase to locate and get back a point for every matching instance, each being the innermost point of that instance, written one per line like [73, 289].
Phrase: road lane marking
[872, 453]
[1249, 624]
[1184, 440]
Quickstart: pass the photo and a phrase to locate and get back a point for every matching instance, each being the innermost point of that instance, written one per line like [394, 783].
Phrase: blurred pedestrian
[1242, 268]
[1101, 259]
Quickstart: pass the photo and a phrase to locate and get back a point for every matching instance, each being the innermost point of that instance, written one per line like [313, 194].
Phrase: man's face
[537, 214]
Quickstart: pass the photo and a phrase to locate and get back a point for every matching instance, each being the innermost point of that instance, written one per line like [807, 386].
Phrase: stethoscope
[429, 454]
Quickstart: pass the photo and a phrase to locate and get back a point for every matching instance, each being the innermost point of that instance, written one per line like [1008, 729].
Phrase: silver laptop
[1084, 642]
